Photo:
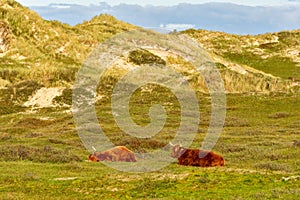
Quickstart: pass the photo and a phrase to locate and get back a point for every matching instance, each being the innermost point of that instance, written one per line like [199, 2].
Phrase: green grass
[275, 65]
[259, 144]
[93, 180]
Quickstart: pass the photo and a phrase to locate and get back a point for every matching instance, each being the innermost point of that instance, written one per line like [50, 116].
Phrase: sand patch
[66, 179]
[43, 98]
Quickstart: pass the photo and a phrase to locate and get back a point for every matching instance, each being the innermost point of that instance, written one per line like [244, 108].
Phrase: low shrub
[42, 154]
[279, 115]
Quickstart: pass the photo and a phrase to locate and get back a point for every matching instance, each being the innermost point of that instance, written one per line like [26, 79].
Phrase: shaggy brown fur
[194, 157]
[116, 154]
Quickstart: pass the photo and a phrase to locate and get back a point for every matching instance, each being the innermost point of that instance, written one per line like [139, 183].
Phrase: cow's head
[93, 158]
[177, 151]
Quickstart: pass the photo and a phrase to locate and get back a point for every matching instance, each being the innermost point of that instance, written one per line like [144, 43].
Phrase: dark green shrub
[142, 56]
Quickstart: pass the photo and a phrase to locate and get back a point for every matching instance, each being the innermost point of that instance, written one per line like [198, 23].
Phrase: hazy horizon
[225, 17]
[159, 3]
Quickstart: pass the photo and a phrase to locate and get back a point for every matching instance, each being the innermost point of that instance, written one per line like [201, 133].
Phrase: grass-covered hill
[36, 53]
[47, 51]
[50, 52]
[272, 60]
[274, 53]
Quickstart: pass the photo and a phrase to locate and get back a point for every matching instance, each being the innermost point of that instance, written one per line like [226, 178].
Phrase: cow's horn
[171, 144]
[94, 148]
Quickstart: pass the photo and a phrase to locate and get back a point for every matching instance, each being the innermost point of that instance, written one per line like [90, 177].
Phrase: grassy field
[42, 156]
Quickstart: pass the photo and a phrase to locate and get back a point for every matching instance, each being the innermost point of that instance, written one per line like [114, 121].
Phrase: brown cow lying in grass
[192, 157]
[116, 154]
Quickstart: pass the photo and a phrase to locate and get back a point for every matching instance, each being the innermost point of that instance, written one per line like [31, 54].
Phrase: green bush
[142, 56]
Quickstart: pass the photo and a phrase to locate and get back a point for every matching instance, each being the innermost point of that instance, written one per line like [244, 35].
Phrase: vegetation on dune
[273, 53]
[142, 56]
[103, 26]
[49, 51]
[278, 66]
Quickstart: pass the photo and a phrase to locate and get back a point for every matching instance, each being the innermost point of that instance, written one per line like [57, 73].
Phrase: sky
[241, 17]
[158, 2]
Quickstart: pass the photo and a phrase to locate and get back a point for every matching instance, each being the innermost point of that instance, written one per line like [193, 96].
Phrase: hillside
[271, 56]
[268, 63]
[36, 53]
[259, 51]
[47, 51]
